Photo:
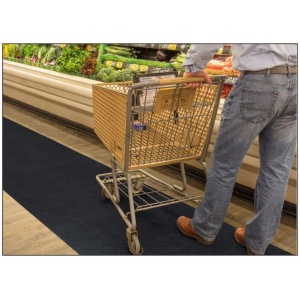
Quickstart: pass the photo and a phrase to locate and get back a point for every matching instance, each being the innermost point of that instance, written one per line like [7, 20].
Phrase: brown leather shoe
[239, 237]
[184, 225]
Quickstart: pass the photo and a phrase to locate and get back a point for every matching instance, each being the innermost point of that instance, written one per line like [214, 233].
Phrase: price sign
[119, 65]
[172, 46]
[108, 63]
[89, 48]
[143, 68]
[134, 67]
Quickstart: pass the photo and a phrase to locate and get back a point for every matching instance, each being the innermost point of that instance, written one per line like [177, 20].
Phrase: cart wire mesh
[142, 132]
[148, 191]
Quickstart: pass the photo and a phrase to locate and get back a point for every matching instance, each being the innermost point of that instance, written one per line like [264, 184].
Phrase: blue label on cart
[139, 126]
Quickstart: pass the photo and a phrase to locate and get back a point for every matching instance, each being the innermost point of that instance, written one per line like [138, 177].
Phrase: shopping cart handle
[178, 80]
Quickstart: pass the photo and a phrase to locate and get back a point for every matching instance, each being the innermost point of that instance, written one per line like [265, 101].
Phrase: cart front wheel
[134, 244]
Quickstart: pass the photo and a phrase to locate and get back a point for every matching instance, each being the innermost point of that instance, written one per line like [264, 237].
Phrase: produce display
[74, 60]
[116, 62]
[30, 53]
[87, 60]
[137, 59]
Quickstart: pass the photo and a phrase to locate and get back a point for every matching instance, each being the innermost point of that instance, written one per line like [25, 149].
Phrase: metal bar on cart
[177, 80]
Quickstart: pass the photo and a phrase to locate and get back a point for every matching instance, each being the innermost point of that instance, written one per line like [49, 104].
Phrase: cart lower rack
[151, 124]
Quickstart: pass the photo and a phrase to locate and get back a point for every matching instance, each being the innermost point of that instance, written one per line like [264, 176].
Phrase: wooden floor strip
[25, 235]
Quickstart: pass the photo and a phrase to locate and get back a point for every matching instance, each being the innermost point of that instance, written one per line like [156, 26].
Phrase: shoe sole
[197, 238]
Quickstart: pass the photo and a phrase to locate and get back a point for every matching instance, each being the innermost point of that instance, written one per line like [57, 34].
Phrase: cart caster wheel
[107, 195]
[137, 186]
[136, 190]
[133, 243]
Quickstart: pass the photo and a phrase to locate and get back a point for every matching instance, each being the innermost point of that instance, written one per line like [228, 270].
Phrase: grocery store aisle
[24, 235]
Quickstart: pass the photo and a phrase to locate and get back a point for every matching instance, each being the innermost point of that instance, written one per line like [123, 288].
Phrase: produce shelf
[133, 67]
[174, 47]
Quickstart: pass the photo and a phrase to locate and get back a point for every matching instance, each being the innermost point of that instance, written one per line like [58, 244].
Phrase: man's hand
[197, 74]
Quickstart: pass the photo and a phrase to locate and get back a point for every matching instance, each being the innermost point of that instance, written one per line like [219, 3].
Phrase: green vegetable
[110, 74]
[21, 53]
[102, 72]
[43, 51]
[122, 51]
[125, 75]
[154, 63]
[119, 58]
[105, 78]
[12, 49]
[180, 57]
[108, 70]
[28, 51]
[35, 49]
[178, 61]
[119, 52]
[71, 60]
[113, 76]
[51, 54]
[178, 66]
[128, 49]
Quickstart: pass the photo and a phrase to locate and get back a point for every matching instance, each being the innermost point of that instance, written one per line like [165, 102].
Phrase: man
[263, 103]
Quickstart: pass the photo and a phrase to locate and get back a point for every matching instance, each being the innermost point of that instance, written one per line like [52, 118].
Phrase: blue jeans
[259, 105]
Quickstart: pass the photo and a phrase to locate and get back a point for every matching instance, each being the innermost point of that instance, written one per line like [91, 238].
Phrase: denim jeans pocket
[257, 106]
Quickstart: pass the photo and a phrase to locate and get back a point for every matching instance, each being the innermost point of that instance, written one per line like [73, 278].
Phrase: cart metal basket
[149, 124]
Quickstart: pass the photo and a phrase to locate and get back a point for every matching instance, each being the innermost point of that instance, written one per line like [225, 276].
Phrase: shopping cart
[150, 124]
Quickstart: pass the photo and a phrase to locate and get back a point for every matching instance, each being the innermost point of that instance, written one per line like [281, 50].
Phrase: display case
[62, 96]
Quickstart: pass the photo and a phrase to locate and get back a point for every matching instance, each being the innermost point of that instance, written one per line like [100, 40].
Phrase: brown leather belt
[276, 70]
